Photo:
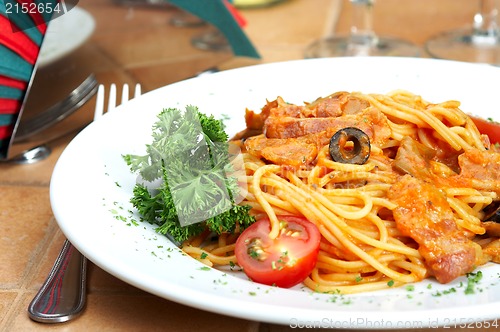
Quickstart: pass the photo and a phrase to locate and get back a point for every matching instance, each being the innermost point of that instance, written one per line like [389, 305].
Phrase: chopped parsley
[450, 291]
[472, 280]
[253, 253]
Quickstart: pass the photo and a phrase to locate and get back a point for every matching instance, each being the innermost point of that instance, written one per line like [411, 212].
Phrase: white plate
[65, 34]
[91, 187]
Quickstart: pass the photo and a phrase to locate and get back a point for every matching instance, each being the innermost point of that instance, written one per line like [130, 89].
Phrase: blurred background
[156, 43]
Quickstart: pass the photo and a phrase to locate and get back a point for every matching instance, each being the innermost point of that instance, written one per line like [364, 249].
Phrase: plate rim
[482, 313]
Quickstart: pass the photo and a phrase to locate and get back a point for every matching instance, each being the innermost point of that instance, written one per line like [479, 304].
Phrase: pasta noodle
[362, 247]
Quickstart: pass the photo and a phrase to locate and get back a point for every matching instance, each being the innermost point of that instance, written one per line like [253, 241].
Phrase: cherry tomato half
[284, 261]
[489, 128]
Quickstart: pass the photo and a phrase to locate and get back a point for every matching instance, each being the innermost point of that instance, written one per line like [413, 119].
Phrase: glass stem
[486, 25]
[362, 34]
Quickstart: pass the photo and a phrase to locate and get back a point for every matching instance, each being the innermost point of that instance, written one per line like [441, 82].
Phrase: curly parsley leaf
[190, 153]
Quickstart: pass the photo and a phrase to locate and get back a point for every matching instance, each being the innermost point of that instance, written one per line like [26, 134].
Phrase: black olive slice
[342, 152]
[491, 219]
[492, 212]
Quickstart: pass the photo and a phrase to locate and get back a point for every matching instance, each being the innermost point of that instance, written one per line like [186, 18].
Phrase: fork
[62, 296]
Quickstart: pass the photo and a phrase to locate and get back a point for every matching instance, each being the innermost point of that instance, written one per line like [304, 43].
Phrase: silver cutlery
[32, 155]
[58, 111]
[62, 296]
[18, 153]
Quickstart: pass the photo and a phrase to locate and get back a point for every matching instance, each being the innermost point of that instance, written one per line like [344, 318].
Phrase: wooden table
[138, 45]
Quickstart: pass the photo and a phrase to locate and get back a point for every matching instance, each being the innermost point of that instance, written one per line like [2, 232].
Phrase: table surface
[134, 44]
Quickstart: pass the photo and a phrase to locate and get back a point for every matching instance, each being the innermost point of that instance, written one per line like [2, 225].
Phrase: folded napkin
[13, 65]
[224, 17]
[21, 36]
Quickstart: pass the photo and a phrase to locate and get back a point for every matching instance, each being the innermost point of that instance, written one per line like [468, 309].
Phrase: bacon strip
[424, 214]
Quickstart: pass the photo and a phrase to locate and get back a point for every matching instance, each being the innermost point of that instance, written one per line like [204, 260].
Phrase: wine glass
[184, 19]
[212, 39]
[255, 3]
[362, 39]
[479, 42]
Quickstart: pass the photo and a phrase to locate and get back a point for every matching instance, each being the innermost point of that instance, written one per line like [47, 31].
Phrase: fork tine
[112, 97]
[99, 104]
[99, 110]
[125, 93]
[138, 91]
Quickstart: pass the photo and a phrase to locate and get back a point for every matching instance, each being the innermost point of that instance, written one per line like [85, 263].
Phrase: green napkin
[12, 65]
[6, 119]
[8, 92]
[216, 13]
[23, 21]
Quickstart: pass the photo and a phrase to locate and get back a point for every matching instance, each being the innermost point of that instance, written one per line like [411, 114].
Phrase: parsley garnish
[253, 253]
[190, 153]
[472, 280]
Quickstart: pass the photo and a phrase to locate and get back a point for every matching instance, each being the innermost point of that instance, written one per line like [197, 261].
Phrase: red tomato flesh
[284, 261]
[489, 128]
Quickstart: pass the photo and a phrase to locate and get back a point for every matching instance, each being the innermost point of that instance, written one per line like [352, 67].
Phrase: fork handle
[63, 294]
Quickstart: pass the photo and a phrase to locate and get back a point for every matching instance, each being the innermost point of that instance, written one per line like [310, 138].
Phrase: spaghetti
[370, 239]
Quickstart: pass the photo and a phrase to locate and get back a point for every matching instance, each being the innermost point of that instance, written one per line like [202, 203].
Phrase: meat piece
[280, 108]
[306, 144]
[293, 152]
[266, 110]
[491, 252]
[326, 107]
[424, 214]
[483, 166]
[254, 121]
[371, 121]
[337, 104]
[353, 105]
[254, 124]
[293, 134]
[289, 127]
